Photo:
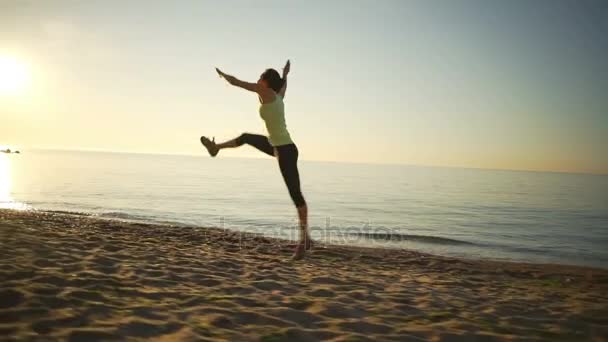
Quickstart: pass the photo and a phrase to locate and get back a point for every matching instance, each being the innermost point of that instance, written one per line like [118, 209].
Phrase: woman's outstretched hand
[219, 72]
[225, 76]
[286, 68]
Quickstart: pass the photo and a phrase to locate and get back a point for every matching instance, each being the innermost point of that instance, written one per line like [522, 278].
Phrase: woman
[270, 89]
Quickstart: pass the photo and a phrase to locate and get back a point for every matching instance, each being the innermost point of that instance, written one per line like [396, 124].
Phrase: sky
[490, 84]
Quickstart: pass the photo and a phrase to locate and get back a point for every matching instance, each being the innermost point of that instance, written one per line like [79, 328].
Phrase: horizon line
[323, 161]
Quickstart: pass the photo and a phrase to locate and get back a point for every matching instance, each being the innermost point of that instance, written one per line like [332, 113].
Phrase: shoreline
[65, 275]
[380, 243]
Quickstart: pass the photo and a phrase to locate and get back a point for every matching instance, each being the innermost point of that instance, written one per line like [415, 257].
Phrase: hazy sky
[496, 84]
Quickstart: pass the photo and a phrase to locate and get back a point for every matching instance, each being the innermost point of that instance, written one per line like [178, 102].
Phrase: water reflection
[6, 201]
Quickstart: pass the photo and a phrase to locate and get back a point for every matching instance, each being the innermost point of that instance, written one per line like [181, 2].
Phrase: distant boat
[8, 150]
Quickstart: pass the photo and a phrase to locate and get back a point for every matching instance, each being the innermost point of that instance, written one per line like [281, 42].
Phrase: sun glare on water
[6, 201]
[14, 76]
[5, 181]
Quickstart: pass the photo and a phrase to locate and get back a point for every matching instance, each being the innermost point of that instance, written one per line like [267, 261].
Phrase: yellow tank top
[273, 114]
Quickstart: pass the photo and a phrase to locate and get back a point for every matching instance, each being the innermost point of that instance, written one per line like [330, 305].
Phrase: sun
[14, 75]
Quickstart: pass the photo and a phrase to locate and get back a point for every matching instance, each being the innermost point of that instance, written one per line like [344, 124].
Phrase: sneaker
[210, 145]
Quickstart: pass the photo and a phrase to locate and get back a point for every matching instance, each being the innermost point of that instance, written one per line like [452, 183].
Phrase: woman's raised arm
[285, 72]
[254, 87]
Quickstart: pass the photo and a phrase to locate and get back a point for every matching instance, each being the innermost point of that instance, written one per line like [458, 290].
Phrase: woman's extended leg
[288, 163]
[258, 141]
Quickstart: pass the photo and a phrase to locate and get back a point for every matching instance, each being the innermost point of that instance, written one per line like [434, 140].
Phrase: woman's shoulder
[271, 98]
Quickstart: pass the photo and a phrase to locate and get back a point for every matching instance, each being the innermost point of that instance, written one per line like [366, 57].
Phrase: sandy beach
[82, 279]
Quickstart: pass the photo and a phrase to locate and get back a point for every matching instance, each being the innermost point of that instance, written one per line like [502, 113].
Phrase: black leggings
[288, 162]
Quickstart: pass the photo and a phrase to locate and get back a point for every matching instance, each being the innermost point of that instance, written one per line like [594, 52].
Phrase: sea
[538, 217]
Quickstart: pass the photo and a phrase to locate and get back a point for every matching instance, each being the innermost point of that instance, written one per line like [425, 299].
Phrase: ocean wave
[14, 205]
[123, 216]
[64, 212]
[390, 236]
[109, 214]
[119, 216]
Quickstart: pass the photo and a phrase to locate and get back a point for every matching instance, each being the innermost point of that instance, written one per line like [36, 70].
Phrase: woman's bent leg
[258, 141]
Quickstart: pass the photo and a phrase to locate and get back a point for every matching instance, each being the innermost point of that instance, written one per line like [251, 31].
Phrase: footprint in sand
[249, 317]
[268, 285]
[321, 293]
[302, 318]
[138, 328]
[342, 311]
[363, 327]
[10, 298]
[327, 281]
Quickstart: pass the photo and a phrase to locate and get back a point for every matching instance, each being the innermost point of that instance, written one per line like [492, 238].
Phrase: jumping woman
[270, 89]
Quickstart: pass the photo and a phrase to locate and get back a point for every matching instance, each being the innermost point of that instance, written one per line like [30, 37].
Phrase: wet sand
[80, 278]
